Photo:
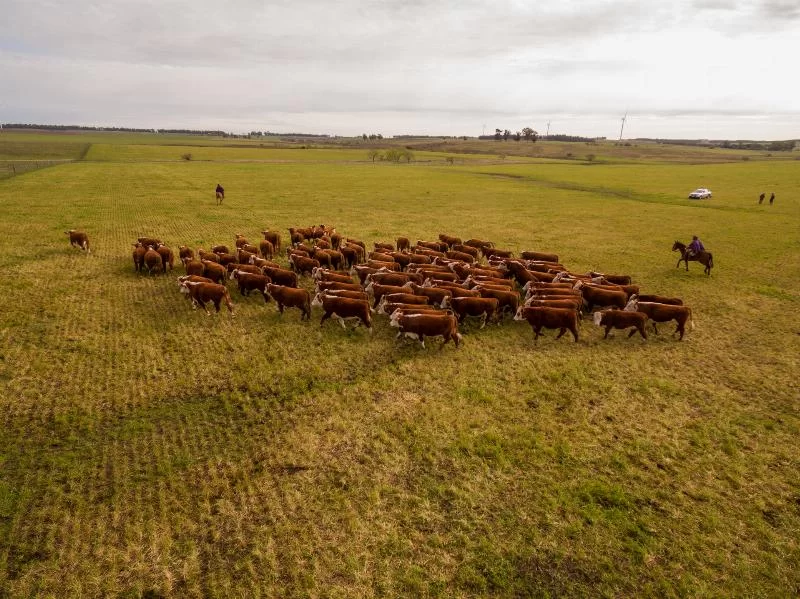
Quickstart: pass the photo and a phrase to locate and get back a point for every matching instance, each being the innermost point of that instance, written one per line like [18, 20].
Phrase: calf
[202, 293]
[345, 307]
[248, 282]
[78, 239]
[420, 326]
[664, 313]
[620, 319]
[291, 298]
[482, 307]
[549, 317]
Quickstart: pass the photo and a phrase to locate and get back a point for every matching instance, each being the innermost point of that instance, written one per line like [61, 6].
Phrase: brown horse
[704, 258]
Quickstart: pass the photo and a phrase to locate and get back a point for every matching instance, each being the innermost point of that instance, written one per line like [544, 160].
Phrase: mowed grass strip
[147, 447]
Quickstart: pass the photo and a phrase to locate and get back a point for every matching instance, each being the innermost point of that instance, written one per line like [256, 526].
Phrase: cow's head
[317, 301]
[599, 317]
[633, 304]
[518, 315]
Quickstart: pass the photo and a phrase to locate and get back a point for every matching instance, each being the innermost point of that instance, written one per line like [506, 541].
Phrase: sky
[715, 69]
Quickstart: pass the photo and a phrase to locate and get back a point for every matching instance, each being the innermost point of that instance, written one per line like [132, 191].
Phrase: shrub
[186, 156]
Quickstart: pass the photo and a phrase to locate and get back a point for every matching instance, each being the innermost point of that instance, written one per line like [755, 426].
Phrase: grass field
[149, 450]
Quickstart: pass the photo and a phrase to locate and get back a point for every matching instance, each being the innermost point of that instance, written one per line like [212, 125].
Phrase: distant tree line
[505, 134]
[742, 144]
[95, 128]
[371, 136]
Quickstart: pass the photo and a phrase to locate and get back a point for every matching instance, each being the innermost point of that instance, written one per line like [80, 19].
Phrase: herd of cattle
[426, 289]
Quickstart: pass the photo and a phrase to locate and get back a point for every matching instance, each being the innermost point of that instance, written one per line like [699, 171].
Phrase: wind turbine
[548, 130]
[623, 125]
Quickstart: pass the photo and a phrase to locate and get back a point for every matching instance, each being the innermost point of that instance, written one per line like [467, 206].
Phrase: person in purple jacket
[696, 246]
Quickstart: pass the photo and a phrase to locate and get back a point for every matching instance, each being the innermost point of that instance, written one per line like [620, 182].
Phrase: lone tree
[506, 135]
[373, 154]
[498, 133]
[530, 134]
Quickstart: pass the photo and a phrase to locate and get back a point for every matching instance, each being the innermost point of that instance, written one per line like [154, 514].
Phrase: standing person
[220, 194]
[696, 246]
[761, 198]
[771, 198]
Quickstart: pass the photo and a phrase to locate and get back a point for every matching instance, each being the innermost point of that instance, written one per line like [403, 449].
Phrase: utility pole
[623, 125]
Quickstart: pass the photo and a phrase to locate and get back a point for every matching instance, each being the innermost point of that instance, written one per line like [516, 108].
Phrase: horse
[704, 258]
[220, 197]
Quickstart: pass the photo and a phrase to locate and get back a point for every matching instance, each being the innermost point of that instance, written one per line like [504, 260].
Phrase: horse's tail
[710, 260]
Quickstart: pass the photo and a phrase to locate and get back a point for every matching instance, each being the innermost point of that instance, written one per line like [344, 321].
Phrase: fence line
[11, 168]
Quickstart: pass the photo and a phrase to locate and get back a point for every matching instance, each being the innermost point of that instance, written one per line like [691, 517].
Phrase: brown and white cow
[78, 239]
[202, 293]
[484, 308]
[248, 282]
[291, 298]
[621, 319]
[343, 308]
[549, 317]
[419, 326]
[664, 313]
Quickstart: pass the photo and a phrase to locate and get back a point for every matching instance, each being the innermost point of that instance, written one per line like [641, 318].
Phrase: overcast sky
[685, 68]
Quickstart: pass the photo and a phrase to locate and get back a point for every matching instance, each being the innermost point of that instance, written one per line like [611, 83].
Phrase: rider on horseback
[695, 247]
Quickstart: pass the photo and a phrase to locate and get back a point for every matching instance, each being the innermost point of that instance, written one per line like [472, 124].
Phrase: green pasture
[149, 450]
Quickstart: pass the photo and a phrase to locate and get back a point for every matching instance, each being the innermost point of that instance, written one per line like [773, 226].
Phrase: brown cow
[549, 317]
[220, 249]
[620, 319]
[393, 278]
[378, 291]
[153, 260]
[467, 249]
[328, 285]
[280, 276]
[240, 241]
[450, 241]
[248, 282]
[202, 293]
[251, 268]
[167, 256]
[506, 299]
[145, 241]
[344, 307]
[291, 298]
[303, 265]
[194, 267]
[212, 270]
[204, 255]
[420, 326]
[274, 238]
[266, 248]
[404, 298]
[403, 244]
[539, 256]
[664, 313]
[483, 307]
[616, 279]
[658, 299]
[322, 274]
[359, 295]
[185, 254]
[478, 243]
[434, 295]
[138, 256]
[463, 256]
[593, 296]
[78, 239]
